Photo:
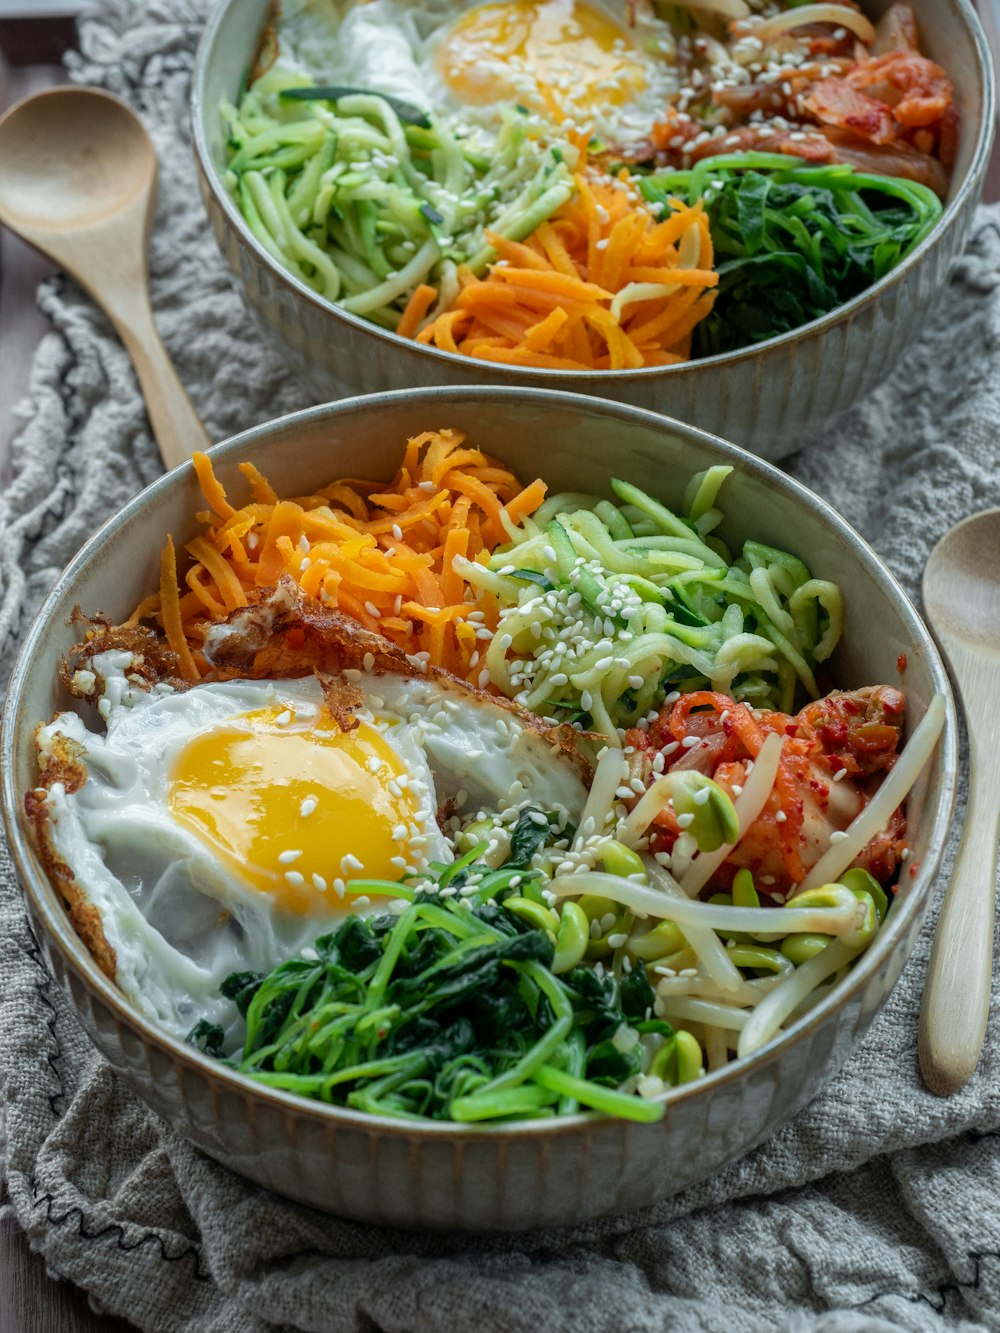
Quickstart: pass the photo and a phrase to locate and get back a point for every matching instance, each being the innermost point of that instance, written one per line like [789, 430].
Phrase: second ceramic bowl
[771, 398]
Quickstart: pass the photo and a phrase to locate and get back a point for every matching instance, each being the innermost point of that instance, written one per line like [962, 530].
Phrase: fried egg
[224, 827]
[575, 63]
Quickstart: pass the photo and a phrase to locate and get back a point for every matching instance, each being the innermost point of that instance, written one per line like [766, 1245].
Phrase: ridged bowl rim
[968, 187]
[47, 905]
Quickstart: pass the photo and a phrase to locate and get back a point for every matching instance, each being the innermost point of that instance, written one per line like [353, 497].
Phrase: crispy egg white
[219, 827]
[576, 63]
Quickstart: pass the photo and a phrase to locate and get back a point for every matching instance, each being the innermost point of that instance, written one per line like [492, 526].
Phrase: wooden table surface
[30, 1302]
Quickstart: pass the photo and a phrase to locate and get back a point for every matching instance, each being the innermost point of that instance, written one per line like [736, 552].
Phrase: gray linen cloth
[875, 1209]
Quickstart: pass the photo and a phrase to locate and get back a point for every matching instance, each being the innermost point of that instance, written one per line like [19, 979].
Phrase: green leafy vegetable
[793, 242]
[406, 111]
[447, 1010]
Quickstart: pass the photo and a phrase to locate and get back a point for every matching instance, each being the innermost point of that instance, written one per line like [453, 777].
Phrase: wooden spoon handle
[957, 991]
[176, 425]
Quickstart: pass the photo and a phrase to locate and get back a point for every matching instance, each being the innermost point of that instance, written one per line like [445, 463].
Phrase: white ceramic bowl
[537, 1172]
[771, 398]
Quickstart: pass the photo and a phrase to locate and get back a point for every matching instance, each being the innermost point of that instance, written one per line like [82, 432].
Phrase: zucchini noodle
[604, 608]
[364, 207]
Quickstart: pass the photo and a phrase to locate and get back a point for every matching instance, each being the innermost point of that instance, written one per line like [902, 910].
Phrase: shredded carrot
[382, 554]
[417, 306]
[170, 609]
[550, 301]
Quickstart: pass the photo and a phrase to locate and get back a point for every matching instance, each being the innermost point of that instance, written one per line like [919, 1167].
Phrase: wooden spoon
[962, 600]
[77, 181]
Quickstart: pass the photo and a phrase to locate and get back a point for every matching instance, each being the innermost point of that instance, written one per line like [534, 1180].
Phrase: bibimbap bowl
[517, 1174]
[771, 397]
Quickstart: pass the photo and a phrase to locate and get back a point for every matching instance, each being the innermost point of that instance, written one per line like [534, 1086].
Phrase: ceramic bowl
[533, 1173]
[771, 398]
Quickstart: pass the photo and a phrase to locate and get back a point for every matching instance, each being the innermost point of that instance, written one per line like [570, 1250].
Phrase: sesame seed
[319, 883]
[294, 878]
[308, 806]
[289, 858]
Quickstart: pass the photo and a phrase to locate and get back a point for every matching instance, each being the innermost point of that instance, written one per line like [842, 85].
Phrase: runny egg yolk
[558, 57]
[293, 808]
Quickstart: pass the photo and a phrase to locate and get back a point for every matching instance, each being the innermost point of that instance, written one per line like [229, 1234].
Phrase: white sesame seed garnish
[319, 883]
[289, 858]
[308, 805]
[294, 878]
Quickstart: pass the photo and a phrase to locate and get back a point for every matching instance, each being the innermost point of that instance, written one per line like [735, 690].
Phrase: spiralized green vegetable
[605, 607]
[364, 206]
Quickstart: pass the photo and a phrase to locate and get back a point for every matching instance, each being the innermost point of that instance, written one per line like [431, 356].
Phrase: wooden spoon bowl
[78, 182]
[961, 590]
